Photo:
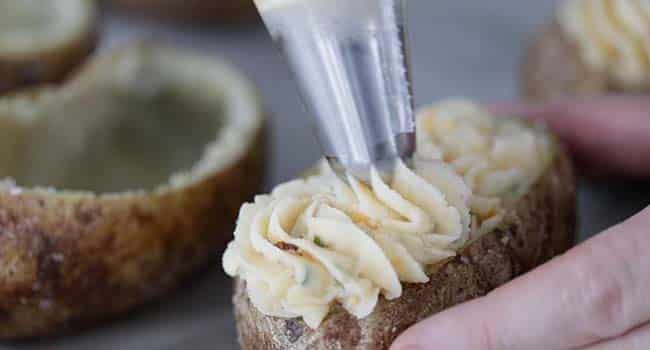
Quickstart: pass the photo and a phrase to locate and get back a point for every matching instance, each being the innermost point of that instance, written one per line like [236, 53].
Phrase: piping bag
[350, 60]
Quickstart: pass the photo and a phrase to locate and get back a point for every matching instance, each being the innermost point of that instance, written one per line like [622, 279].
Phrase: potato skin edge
[70, 262]
[540, 226]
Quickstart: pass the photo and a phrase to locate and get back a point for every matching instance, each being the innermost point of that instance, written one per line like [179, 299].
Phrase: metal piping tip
[384, 159]
[350, 59]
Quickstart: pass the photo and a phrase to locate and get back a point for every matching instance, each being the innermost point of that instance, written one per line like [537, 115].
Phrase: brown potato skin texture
[48, 67]
[553, 68]
[192, 11]
[68, 263]
[540, 226]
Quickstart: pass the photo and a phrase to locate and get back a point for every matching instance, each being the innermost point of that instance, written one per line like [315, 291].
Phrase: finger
[596, 291]
[638, 339]
[611, 133]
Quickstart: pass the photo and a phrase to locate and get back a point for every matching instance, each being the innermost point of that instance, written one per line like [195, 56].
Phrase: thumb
[595, 292]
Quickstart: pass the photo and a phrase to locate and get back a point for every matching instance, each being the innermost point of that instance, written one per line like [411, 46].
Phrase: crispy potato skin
[47, 67]
[553, 67]
[541, 226]
[70, 262]
[192, 11]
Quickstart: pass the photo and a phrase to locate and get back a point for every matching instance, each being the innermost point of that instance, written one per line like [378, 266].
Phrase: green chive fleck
[319, 242]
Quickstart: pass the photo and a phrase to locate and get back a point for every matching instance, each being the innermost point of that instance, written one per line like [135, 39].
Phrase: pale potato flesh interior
[147, 139]
[119, 136]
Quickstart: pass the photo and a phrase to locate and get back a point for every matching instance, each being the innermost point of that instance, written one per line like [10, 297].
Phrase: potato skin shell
[541, 226]
[192, 11]
[48, 67]
[70, 262]
[553, 68]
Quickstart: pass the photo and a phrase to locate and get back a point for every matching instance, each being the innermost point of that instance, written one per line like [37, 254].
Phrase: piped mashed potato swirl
[613, 37]
[332, 238]
[498, 158]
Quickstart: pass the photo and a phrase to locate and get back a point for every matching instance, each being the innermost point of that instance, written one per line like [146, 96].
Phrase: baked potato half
[44, 41]
[553, 68]
[120, 184]
[192, 11]
[574, 57]
[539, 222]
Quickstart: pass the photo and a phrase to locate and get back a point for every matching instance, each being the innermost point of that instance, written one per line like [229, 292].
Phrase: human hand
[609, 136]
[597, 296]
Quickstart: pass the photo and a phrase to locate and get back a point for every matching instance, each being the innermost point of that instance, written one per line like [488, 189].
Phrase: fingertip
[531, 111]
[407, 340]
[609, 134]
[447, 330]
[423, 335]
[507, 108]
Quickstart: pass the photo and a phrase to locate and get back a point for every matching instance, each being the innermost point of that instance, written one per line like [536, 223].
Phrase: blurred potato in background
[192, 11]
[42, 42]
[591, 48]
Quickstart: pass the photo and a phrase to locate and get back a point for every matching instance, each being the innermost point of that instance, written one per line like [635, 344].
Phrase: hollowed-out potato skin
[70, 261]
[553, 68]
[538, 227]
[70, 258]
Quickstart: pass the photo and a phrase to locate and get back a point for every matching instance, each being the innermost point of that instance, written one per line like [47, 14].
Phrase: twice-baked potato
[44, 41]
[519, 188]
[591, 48]
[120, 184]
[192, 11]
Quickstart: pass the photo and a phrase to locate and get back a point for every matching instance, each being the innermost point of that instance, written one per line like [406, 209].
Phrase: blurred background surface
[460, 48]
